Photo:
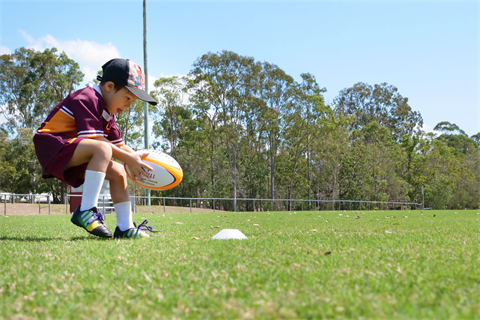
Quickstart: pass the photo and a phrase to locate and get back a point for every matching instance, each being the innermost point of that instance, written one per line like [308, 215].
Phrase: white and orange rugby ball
[166, 172]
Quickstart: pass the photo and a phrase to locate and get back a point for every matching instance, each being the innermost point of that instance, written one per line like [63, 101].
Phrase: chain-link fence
[71, 201]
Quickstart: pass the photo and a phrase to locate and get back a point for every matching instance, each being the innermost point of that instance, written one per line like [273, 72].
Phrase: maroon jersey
[80, 115]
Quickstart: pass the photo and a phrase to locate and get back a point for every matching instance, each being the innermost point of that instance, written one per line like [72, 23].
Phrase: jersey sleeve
[114, 136]
[87, 118]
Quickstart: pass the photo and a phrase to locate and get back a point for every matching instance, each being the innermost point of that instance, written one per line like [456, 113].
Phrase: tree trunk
[231, 160]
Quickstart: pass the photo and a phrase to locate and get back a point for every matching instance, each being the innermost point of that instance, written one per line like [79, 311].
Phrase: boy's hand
[137, 167]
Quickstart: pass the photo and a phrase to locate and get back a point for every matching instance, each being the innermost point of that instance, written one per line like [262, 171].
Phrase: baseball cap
[129, 74]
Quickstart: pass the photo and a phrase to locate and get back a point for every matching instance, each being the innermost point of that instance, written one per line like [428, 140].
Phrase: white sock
[123, 211]
[91, 189]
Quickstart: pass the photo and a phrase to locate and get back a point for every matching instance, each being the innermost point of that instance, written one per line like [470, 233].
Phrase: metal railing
[254, 204]
[26, 198]
[222, 204]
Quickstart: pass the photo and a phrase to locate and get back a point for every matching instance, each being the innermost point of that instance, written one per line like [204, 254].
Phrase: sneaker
[92, 221]
[137, 232]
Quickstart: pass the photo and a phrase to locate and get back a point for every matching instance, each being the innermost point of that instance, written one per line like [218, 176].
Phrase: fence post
[38, 206]
[49, 205]
[213, 205]
[134, 203]
[190, 205]
[164, 204]
[66, 204]
[5, 206]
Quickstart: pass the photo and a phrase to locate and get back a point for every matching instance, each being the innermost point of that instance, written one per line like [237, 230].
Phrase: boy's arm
[127, 148]
[128, 156]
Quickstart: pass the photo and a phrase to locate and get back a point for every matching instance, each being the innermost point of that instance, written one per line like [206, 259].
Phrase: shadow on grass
[42, 239]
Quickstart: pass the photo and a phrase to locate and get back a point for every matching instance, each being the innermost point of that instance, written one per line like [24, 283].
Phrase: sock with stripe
[91, 189]
[123, 210]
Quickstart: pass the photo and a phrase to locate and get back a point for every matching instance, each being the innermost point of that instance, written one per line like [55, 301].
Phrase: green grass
[420, 267]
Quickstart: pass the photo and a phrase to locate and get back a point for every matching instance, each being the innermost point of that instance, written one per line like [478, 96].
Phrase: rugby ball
[166, 172]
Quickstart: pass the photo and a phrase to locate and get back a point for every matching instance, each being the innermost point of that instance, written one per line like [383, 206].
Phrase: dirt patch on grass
[26, 209]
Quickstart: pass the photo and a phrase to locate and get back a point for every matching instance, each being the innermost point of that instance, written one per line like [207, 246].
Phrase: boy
[79, 138]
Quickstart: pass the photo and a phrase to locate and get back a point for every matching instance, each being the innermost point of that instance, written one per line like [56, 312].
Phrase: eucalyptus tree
[252, 146]
[175, 125]
[329, 148]
[303, 124]
[19, 169]
[32, 83]
[455, 137]
[173, 110]
[381, 103]
[440, 170]
[226, 87]
[275, 92]
[466, 150]
[130, 124]
[375, 166]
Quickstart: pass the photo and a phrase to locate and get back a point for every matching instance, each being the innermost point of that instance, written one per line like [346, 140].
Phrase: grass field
[304, 265]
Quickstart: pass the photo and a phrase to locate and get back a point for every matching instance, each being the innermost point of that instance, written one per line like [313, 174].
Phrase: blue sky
[429, 50]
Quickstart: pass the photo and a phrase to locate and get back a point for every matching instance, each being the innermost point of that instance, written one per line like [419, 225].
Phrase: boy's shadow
[43, 239]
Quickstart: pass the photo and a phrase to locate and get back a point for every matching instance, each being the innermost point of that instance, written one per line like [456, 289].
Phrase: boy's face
[116, 101]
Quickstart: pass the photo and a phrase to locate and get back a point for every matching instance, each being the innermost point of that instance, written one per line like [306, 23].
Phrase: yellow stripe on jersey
[60, 123]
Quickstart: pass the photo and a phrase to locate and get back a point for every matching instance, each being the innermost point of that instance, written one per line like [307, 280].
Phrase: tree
[173, 110]
[32, 83]
[226, 86]
[432, 164]
[466, 150]
[274, 90]
[309, 116]
[381, 103]
[369, 168]
[456, 138]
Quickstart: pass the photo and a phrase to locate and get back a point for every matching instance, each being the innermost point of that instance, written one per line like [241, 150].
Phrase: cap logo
[136, 76]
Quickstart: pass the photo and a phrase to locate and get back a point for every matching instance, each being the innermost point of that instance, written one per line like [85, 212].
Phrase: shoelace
[97, 216]
[143, 226]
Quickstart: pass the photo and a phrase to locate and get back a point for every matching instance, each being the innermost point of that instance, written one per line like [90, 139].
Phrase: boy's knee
[103, 150]
[117, 172]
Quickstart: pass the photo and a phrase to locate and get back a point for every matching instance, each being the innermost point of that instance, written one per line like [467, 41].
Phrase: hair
[117, 86]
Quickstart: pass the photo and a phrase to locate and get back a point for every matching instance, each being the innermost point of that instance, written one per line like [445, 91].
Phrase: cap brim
[142, 95]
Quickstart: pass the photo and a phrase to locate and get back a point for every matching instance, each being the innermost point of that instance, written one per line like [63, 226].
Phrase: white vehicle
[43, 197]
[5, 196]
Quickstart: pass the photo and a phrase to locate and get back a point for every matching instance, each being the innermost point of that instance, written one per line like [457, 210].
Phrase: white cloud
[5, 50]
[90, 55]
[428, 128]
[151, 81]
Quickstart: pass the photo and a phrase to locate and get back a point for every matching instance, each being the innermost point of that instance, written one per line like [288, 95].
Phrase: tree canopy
[242, 128]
